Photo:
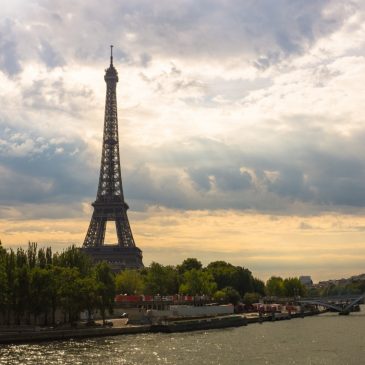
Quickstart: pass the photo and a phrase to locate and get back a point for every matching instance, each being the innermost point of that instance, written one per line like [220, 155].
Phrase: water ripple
[325, 340]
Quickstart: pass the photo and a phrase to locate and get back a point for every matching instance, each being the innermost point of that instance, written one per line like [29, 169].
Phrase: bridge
[341, 304]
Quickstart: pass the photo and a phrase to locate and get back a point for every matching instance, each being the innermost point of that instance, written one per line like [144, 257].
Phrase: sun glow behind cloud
[244, 124]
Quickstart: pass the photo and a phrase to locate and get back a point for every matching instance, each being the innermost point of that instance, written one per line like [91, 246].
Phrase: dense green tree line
[36, 282]
[219, 280]
[289, 287]
[352, 288]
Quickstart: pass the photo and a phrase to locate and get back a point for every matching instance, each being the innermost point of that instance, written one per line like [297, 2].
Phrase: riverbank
[13, 336]
[196, 324]
[328, 339]
[22, 335]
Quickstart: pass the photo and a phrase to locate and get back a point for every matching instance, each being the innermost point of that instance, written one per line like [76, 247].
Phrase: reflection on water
[327, 339]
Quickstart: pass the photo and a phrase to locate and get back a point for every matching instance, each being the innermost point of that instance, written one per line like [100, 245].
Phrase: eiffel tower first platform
[109, 204]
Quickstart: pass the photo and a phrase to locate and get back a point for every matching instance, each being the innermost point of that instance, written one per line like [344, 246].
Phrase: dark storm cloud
[200, 174]
[35, 170]
[225, 178]
[9, 58]
[290, 183]
[200, 178]
[144, 187]
[145, 59]
[50, 57]
[338, 179]
[53, 96]
[217, 175]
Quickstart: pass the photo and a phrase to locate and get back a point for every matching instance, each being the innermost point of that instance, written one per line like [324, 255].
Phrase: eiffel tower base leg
[119, 258]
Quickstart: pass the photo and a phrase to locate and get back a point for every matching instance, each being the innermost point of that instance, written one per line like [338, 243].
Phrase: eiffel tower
[109, 204]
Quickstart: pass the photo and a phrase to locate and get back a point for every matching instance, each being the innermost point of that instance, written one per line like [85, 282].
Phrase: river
[326, 339]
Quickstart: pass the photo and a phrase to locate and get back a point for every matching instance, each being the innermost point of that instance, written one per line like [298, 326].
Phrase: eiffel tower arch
[109, 204]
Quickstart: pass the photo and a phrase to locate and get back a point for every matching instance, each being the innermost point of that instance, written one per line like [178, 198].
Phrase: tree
[227, 295]
[88, 294]
[57, 276]
[293, 287]
[10, 297]
[275, 286]
[49, 256]
[3, 284]
[3, 281]
[21, 258]
[68, 291]
[219, 296]
[32, 254]
[106, 288]
[313, 292]
[196, 282]
[22, 293]
[171, 280]
[242, 280]
[258, 286]
[222, 273]
[73, 257]
[129, 282]
[40, 292]
[250, 298]
[227, 275]
[189, 264]
[35, 282]
[2, 251]
[42, 259]
[161, 279]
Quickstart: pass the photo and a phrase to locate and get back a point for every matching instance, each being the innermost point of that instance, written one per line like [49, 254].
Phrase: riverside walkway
[38, 334]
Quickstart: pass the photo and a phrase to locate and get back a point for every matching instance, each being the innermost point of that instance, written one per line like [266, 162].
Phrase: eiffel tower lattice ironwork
[109, 204]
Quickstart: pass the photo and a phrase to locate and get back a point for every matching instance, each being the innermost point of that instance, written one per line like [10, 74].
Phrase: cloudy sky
[242, 128]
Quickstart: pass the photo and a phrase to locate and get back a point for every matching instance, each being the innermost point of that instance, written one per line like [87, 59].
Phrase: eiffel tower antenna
[109, 204]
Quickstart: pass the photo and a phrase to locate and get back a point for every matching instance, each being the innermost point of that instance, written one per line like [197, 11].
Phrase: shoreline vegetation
[50, 290]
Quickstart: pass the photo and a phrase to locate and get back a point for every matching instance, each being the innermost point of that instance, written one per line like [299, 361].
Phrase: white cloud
[205, 88]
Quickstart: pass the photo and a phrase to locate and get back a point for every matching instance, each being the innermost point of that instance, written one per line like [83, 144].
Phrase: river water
[326, 339]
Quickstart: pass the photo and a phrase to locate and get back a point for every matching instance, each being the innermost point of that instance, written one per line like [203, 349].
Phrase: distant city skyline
[242, 131]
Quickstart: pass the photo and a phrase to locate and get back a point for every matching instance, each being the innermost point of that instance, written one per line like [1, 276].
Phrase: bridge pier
[343, 313]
